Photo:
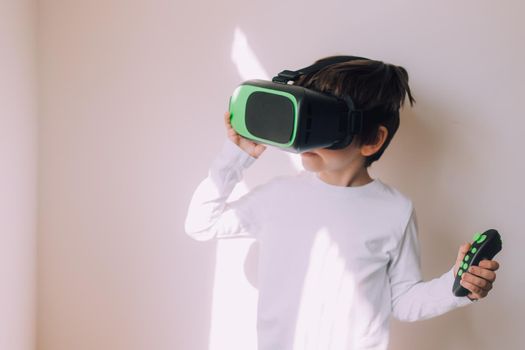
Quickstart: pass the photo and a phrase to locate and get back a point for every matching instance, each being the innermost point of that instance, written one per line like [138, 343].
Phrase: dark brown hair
[371, 85]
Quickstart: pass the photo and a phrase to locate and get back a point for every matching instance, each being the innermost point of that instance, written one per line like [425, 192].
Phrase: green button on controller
[460, 272]
[476, 237]
[467, 257]
[482, 238]
[465, 266]
[474, 250]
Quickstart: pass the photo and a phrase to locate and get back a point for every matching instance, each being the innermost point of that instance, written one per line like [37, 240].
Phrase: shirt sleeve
[412, 298]
[209, 214]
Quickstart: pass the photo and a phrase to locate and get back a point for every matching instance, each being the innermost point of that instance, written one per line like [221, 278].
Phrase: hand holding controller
[484, 246]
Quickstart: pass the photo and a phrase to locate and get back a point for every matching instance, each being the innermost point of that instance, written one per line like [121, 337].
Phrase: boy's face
[322, 159]
[349, 159]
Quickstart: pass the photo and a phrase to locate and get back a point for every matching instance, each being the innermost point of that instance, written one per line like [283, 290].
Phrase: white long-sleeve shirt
[334, 262]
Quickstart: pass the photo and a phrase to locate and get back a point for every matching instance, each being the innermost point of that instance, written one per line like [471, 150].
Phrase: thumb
[258, 150]
[463, 249]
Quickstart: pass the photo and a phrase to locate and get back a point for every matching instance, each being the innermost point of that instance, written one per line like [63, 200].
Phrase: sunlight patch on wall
[233, 319]
[249, 67]
[244, 58]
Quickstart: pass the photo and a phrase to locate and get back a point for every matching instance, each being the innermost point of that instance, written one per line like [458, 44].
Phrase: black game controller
[485, 246]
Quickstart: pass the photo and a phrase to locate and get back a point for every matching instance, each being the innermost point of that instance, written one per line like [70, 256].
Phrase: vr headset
[294, 118]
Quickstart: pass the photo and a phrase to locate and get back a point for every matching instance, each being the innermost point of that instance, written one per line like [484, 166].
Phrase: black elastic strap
[357, 118]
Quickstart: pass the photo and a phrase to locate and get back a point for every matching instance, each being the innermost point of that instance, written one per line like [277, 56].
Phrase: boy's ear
[370, 149]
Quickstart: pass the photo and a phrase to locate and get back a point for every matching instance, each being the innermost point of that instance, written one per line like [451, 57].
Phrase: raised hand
[252, 148]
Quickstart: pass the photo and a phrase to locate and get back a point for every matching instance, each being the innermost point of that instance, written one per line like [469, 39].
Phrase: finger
[227, 118]
[489, 275]
[473, 288]
[489, 264]
[477, 281]
[232, 132]
[234, 139]
[463, 249]
[474, 296]
[259, 149]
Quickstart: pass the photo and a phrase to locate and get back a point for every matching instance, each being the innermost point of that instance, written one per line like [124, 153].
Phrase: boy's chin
[311, 164]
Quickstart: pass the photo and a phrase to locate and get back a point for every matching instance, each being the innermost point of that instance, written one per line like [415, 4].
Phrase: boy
[338, 250]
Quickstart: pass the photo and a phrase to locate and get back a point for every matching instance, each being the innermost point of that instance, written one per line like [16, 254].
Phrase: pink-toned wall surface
[18, 171]
[132, 98]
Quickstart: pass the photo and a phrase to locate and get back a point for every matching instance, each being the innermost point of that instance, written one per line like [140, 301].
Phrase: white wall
[133, 94]
[18, 161]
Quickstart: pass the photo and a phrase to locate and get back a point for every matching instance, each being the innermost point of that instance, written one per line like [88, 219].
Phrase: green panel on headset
[273, 114]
